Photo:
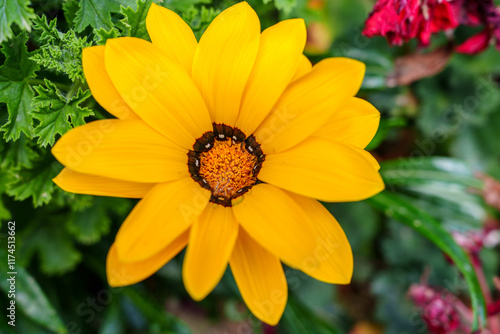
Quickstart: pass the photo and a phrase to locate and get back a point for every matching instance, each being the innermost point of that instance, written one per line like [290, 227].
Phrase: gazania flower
[229, 141]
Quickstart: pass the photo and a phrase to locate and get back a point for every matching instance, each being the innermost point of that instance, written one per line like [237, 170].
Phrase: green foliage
[30, 298]
[35, 181]
[60, 52]
[14, 11]
[58, 113]
[199, 18]
[97, 13]
[15, 90]
[407, 213]
[134, 21]
[90, 223]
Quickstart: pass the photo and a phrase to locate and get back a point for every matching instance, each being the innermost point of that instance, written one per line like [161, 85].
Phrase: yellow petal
[169, 32]
[121, 149]
[157, 89]
[162, 215]
[332, 260]
[100, 84]
[280, 51]
[309, 102]
[260, 279]
[325, 170]
[304, 67]
[368, 156]
[210, 245]
[80, 183]
[120, 273]
[276, 222]
[224, 58]
[355, 123]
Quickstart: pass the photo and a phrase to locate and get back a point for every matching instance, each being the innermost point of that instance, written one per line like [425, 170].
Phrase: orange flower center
[225, 162]
[228, 168]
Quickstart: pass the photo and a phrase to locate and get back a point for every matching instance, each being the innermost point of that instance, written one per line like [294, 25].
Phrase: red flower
[402, 20]
[436, 308]
[476, 12]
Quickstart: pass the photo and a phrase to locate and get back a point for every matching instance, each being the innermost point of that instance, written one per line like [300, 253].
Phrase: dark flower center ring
[226, 162]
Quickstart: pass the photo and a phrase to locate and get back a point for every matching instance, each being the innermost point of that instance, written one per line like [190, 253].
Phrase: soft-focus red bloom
[474, 13]
[437, 309]
[402, 20]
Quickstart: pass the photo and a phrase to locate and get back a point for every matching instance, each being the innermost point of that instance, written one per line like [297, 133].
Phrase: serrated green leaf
[102, 35]
[96, 13]
[199, 18]
[14, 88]
[14, 11]
[134, 21]
[285, 6]
[405, 212]
[182, 5]
[91, 223]
[57, 113]
[17, 153]
[70, 7]
[30, 298]
[60, 52]
[35, 182]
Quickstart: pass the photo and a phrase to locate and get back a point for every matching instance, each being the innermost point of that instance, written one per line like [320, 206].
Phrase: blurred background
[425, 250]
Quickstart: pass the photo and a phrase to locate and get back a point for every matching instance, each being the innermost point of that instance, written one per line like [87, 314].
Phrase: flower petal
[162, 215]
[80, 183]
[355, 123]
[309, 102]
[326, 170]
[224, 58]
[169, 32]
[157, 89]
[332, 260]
[276, 222]
[210, 245]
[304, 67]
[368, 156]
[121, 149]
[279, 54]
[260, 278]
[120, 273]
[103, 90]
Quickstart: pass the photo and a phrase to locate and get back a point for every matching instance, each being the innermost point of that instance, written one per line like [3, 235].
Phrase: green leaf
[134, 21]
[53, 244]
[285, 6]
[58, 113]
[199, 18]
[182, 5]
[112, 322]
[35, 182]
[60, 52]
[14, 11]
[97, 13]
[17, 153]
[30, 298]
[405, 212]
[14, 88]
[439, 185]
[91, 223]
[102, 35]
[70, 7]
[297, 319]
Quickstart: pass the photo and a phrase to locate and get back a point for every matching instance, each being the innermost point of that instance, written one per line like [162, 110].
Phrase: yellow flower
[229, 141]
